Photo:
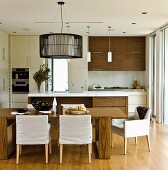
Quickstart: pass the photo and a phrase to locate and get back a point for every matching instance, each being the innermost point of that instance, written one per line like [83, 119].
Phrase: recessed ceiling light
[133, 23]
[144, 13]
[26, 29]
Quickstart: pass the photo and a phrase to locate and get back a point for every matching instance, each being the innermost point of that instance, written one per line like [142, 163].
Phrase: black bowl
[42, 106]
[21, 110]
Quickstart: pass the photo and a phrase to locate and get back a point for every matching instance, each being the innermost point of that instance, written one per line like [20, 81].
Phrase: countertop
[86, 94]
[79, 94]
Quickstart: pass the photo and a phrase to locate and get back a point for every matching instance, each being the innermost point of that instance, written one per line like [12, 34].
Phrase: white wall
[116, 78]
[78, 70]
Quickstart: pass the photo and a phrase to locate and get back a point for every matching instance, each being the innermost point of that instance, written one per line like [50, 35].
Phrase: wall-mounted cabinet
[3, 47]
[4, 71]
[128, 53]
[25, 52]
[135, 54]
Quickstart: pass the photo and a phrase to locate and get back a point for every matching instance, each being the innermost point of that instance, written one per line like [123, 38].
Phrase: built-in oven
[20, 80]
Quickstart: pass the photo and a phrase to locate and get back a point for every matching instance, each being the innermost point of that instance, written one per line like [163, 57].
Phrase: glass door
[153, 76]
[165, 77]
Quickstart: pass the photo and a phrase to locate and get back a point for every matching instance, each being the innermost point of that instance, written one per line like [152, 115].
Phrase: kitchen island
[89, 98]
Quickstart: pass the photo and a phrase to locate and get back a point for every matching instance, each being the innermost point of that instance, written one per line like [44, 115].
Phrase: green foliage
[41, 75]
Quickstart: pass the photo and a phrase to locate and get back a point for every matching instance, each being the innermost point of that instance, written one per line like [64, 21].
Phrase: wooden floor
[76, 157]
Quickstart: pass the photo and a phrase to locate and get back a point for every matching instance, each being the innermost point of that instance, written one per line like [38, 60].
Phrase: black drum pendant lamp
[60, 45]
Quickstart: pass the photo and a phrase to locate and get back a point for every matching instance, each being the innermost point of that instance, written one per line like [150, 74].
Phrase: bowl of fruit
[42, 105]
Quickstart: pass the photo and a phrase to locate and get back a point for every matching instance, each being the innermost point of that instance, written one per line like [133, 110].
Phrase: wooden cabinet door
[135, 56]
[19, 52]
[99, 47]
[118, 49]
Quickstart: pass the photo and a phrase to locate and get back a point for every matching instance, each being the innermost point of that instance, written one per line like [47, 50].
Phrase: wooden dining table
[101, 116]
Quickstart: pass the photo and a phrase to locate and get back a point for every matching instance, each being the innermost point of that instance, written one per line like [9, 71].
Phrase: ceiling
[35, 17]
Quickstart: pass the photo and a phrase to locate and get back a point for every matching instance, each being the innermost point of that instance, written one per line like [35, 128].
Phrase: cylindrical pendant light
[88, 53]
[61, 45]
[109, 55]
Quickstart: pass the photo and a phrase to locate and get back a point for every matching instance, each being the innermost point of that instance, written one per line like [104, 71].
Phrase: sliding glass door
[153, 74]
[165, 77]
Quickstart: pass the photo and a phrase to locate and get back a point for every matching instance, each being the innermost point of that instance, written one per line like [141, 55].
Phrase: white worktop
[79, 94]
[85, 94]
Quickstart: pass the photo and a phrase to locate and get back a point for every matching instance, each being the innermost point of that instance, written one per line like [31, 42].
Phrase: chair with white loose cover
[132, 128]
[32, 130]
[75, 129]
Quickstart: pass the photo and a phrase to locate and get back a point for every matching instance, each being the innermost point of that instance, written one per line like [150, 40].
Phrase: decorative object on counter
[54, 105]
[136, 85]
[109, 59]
[61, 45]
[42, 106]
[41, 75]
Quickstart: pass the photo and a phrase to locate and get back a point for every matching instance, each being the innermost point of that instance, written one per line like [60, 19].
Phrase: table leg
[3, 138]
[104, 148]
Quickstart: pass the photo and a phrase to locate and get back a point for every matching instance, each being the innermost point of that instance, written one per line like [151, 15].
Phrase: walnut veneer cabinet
[128, 53]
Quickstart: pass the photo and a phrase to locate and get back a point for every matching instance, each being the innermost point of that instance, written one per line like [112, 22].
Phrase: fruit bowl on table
[42, 106]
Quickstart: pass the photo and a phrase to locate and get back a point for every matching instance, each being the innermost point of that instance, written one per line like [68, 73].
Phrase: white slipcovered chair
[32, 130]
[75, 129]
[132, 128]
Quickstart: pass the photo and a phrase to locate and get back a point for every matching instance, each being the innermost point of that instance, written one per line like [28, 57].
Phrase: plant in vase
[41, 75]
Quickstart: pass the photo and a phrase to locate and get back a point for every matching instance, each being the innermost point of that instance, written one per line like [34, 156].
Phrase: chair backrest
[75, 129]
[32, 129]
[147, 116]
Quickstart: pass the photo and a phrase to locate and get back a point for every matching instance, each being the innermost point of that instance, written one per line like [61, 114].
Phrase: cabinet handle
[29, 61]
[3, 51]
[3, 84]
[97, 52]
[135, 52]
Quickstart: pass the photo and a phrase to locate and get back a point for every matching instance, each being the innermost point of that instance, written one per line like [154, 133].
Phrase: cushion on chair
[119, 123]
[141, 113]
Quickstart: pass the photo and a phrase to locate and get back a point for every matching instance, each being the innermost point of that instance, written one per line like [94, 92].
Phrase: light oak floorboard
[75, 157]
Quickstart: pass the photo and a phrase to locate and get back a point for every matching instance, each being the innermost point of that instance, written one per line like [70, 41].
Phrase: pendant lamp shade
[61, 46]
[109, 56]
[88, 56]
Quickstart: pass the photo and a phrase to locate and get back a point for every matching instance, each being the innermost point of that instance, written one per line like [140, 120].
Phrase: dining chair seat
[75, 129]
[33, 130]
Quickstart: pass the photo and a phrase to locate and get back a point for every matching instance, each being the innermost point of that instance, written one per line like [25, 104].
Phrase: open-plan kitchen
[83, 85]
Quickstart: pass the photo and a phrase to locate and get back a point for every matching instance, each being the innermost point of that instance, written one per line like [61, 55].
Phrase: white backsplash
[116, 78]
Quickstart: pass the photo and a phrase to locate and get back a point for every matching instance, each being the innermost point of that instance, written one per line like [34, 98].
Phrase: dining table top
[113, 112]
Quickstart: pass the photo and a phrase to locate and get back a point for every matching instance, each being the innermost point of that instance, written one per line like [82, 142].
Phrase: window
[59, 75]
